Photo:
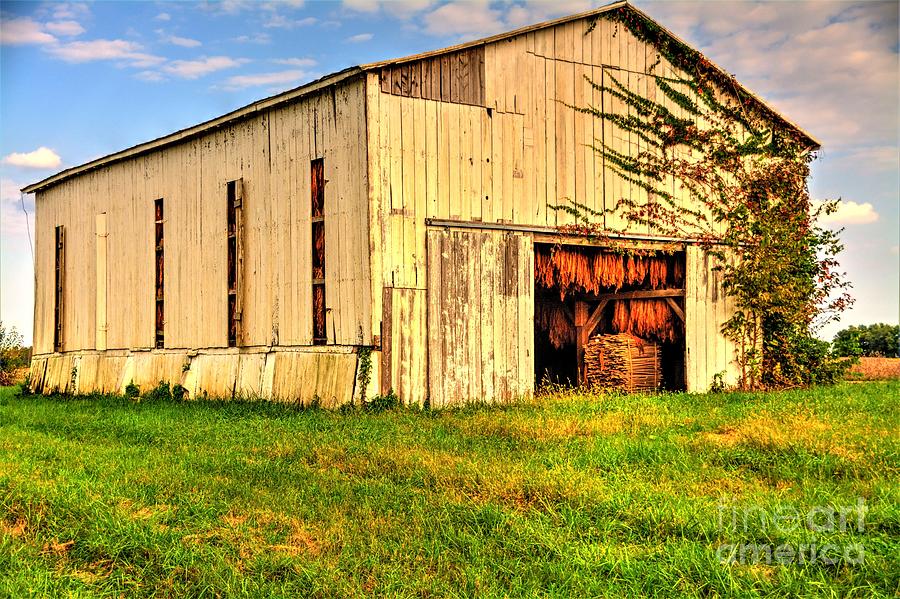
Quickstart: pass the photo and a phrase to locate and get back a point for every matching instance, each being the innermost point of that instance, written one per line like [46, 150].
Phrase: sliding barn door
[480, 316]
[706, 309]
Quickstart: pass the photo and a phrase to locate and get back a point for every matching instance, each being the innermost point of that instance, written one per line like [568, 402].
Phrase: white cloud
[363, 5]
[150, 76]
[70, 10]
[464, 19]
[230, 7]
[184, 42]
[849, 213]
[258, 38]
[876, 159]
[520, 15]
[67, 28]
[830, 66]
[281, 22]
[12, 217]
[100, 49]
[41, 158]
[279, 78]
[192, 69]
[9, 190]
[401, 9]
[295, 62]
[360, 37]
[163, 16]
[22, 31]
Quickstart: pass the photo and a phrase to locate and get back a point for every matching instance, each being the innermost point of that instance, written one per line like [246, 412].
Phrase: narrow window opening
[235, 260]
[60, 280]
[160, 276]
[317, 183]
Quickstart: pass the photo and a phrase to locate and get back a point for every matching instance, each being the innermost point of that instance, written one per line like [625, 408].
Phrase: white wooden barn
[396, 206]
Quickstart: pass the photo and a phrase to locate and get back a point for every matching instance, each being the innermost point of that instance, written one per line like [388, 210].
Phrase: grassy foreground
[566, 496]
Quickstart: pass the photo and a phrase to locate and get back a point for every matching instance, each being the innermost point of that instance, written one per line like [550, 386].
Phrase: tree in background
[875, 340]
[12, 355]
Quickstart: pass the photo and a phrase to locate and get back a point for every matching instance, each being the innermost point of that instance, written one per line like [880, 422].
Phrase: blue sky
[81, 80]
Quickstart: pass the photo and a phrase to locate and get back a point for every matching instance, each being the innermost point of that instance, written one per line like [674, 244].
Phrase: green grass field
[566, 496]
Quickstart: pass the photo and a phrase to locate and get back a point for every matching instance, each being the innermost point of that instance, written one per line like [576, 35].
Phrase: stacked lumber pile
[622, 362]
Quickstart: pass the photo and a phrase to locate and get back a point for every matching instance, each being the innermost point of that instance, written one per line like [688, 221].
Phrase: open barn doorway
[608, 318]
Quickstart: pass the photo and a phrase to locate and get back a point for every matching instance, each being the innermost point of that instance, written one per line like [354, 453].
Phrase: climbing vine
[716, 166]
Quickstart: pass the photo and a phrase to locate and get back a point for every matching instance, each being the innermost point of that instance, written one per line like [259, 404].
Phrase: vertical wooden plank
[420, 190]
[488, 280]
[507, 156]
[408, 184]
[550, 131]
[473, 314]
[479, 69]
[518, 211]
[487, 179]
[497, 155]
[464, 77]
[455, 161]
[101, 234]
[539, 131]
[525, 318]
[565, 131]
[431, 127]
[446, 77]
[415, 79]
[388, 373]
[465, 163]
[454, 76]
[510, 296]
[436, 369]
[444, 160]
[374, 157]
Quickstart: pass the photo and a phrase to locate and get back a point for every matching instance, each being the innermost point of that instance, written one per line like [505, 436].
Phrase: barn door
[706, 309]
[480, 316]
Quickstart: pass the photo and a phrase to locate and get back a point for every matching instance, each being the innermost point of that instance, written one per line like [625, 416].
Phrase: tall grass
[569, 495]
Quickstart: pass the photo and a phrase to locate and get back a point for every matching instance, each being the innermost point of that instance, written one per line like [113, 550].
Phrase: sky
[82, 80]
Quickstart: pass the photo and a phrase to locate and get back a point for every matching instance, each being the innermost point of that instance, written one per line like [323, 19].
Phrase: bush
[382, 403]
[12, 355]
[162, 392]
[132, 391]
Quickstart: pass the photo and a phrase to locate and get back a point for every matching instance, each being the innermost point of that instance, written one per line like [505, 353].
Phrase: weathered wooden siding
[271, 152]
[521, 153]
[480, 316]
[326, 375]
[706, 308]
[511, 159]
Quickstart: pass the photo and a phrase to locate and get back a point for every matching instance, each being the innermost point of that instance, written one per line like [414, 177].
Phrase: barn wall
[272, 153]
[510, 159]
[328, 376]
[517, 156]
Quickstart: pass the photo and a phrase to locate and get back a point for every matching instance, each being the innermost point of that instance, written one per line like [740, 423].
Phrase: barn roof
[334, 78]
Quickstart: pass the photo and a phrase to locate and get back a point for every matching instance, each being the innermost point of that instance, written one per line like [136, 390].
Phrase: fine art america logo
[828, 534]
